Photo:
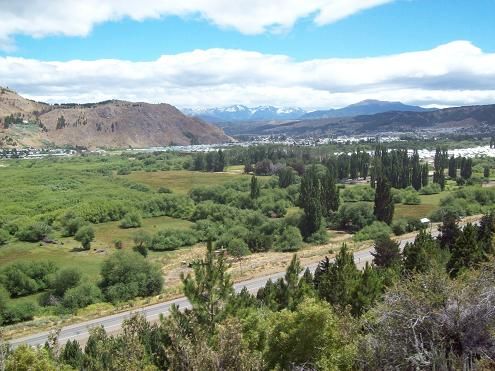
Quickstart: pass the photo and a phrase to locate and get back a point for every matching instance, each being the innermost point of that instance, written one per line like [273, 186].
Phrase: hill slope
[111, 124]
[365, 107]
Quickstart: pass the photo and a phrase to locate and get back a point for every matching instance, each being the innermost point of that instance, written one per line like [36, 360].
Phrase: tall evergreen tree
[416, 255]
[254, 188]
[486, 232]
[425, 175]
[337, 281]
[209, 289]
[310, 202]
[452, 167]
[416, 177]
[384, 203]
[387, 252]
[486, 172]
[368, 290]
[466, 252]
[329, 194]
[449, 231]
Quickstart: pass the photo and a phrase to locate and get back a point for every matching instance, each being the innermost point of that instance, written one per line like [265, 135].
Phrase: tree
[289, 239]
[85, 235]
[368, 290]
[4, 236]
[209, 289]
[126, 275]
[486, 172]
[27, 358]
[486, 231]
[131, 220]
[310, 338]
[335, 282]
[449, 230]
[466, 252]
[64, 280]
[416, 255]
[354, 216]
[416, 178]
[425, 171]
[142, 241]
[384, 203]
[286, 177]
[72, 354]
[329, 194]
[238, 248]
[452, 167]
[387, 252]
[310, 202]
[254, 188]
[81, 296]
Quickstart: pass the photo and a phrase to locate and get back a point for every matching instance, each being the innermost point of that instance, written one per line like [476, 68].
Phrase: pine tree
[416, 254]
[254, 188]
[486, 231]
[311, 203]
[384, 203]
[329, 194]
[466, 252]
[209, 289]
[449, 231]
[337, 283]
[387, 252]
[367, 291]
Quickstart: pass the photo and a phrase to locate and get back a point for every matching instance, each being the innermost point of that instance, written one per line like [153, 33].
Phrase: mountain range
[240, 113]
[109, 124]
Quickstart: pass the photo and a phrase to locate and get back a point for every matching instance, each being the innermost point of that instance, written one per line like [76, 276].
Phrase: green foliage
[27, 278]
[430, 189]
[4, 236]
[374, 231]
[358, 193]
[387, 252]
[172, 239]
[465, 252]
[81, 296]
[70, 223]
[20, 312]
[289, 239]
[384, 204]
[312, 335]
[126, 275]
[418, 255]
[310, 202]
[26, 358]
[85, 235]
[33, 231]
[355, 216]
[63, 280]
[131, 220]
[209, 289]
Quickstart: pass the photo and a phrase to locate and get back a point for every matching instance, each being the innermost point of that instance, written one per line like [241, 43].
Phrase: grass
[429, 203]
[181, 181]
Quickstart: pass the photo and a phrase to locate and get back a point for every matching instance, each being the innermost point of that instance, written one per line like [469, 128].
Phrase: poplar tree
[384, 203]
[254, 188]
[329, 194]
[310, 202]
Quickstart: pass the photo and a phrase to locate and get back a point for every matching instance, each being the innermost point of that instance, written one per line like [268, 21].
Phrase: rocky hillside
[110, 124]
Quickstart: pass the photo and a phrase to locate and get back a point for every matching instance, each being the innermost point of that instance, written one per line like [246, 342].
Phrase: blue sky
[205, 53]
[389, 29]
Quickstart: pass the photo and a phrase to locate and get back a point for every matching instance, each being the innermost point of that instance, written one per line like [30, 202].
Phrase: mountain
[239, 113]
[365, 107]
[111, 124]
[455, 120]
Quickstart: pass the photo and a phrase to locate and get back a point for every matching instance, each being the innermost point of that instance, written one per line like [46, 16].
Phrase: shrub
[70, 223]
[131, 220]
[289, 239]
[173, 239]
[4, 236]
[18, 313]
[354, 216]
[85, 235]
[374, 231]
[64, 280]
[164, 190]
[430, 189]
[126, 275]
[34, 232]
[27, 278]
[411, 198]
[81, 296]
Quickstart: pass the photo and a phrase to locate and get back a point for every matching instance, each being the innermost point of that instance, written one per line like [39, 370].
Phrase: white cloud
[452, 74]
[41, 18]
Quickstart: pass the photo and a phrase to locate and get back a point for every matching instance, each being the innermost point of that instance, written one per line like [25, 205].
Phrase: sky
[314, 54]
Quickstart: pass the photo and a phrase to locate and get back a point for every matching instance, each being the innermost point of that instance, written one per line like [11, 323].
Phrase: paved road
[113, 322]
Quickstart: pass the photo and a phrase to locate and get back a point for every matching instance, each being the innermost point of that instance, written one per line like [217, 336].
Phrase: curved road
[112, 323]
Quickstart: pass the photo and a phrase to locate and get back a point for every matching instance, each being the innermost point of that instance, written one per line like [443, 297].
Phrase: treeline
[417, 309]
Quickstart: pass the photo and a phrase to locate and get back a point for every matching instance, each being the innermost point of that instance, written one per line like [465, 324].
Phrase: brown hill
[110, 124]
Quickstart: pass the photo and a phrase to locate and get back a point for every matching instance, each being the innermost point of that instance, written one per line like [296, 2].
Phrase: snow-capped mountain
[239, 112]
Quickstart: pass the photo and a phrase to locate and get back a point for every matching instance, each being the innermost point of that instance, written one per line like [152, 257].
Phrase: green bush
[289, 239]
[85, 235]
[4, 236]
[131, 220]
[33, 232]
[374, 231]
[27, 278]
[81, 296]
[18, 313]
[354, 216]
[172, 239]
[126, 275]
[63, 280]
[430, 189]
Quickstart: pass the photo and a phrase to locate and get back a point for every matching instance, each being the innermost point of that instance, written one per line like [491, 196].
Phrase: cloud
[39, 18]
[451, 74]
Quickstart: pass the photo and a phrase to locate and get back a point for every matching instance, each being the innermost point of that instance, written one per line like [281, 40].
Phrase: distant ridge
[365, 107]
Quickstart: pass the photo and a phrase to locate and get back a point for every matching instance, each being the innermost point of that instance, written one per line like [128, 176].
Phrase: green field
[180, 181]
